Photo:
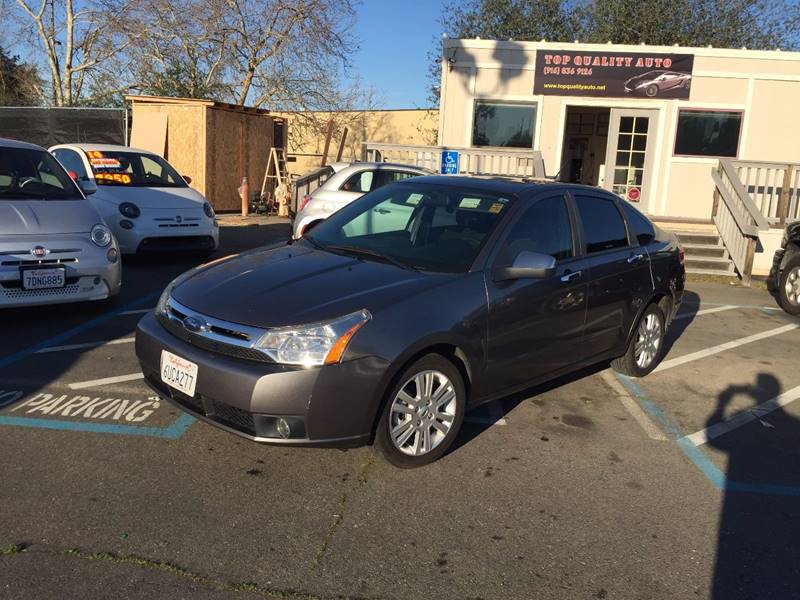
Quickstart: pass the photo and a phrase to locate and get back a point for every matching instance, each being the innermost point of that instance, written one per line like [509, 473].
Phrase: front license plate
[178, 373]
[43, 279]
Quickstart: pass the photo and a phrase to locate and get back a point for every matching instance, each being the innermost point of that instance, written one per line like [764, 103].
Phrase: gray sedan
[54, 247]
[369, 329]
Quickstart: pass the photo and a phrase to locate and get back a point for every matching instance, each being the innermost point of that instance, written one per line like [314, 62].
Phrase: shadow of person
[758, 546]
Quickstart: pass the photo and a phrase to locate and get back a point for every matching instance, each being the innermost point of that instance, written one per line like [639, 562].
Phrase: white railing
[737, 217]
[773, 187]
[472, 161]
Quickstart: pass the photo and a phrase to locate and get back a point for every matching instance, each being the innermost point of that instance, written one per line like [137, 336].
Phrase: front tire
[646, 346]
[789, 287]
[422, 413]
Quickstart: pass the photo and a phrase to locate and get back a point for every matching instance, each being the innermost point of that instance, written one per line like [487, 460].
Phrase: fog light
[112, 255]
[283, 428]
[125, 224]
[97, 281]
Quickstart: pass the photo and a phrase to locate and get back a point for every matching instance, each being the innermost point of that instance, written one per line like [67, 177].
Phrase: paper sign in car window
[414, 199]
[105, 163]
[469, 203]
[496, 207]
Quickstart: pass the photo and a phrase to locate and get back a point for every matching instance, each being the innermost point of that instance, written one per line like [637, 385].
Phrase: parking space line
[56, 339]
[682, 360]
[705, 311]
[650, 428]
[85, 345]
[138, 311]
[173, 432]
[717, 429]
[105, 381]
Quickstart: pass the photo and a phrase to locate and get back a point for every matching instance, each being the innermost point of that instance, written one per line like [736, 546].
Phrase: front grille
[176, 243]
[179, 225]
[180, 332]
[17, 293]
[17, 285]
[233, 417]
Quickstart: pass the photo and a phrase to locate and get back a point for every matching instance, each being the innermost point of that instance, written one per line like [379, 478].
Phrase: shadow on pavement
[758, 554]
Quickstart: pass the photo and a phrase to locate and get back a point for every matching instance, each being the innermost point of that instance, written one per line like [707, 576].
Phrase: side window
[603, 226]
[71, 161]
[544, 228]
[641, 227]
[360, 182]
[392, 176]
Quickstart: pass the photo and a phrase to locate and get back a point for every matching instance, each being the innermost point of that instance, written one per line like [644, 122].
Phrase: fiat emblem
[39, 251]
[179, 219]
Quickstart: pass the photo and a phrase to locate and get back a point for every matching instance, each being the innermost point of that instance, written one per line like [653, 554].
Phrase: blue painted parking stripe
[717, 478]
[57, 339]
[172, 432]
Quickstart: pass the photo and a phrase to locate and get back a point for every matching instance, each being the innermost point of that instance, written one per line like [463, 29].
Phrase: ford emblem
[195, 325]
[39, 251]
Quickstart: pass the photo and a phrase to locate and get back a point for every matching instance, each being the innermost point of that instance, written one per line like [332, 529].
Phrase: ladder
[276, 169]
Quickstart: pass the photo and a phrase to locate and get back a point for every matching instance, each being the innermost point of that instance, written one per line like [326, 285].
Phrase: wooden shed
[213, 143]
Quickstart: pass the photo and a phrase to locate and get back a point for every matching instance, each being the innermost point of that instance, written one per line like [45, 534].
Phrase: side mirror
[88, 187]
[187, 179]
[527, 265]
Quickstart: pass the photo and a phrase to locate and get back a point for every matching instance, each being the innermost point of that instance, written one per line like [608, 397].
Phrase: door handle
[573, 276]
[634, 258]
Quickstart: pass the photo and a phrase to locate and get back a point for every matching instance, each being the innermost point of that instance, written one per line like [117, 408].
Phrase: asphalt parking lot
[684, 484]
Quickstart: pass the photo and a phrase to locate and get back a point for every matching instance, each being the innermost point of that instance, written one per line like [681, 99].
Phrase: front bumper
[335, 405]
[774, 277]
[89, 274]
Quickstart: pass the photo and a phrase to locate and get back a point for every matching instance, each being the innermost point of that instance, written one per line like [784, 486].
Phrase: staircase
[705, 252]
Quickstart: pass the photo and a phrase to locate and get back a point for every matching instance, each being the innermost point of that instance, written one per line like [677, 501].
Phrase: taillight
[306, 199]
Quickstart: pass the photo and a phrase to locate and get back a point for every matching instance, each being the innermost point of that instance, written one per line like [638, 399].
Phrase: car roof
[103, 148]
[502, 185]
[9, 143]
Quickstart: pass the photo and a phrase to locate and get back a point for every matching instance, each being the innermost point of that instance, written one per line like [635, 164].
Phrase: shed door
[629, 154]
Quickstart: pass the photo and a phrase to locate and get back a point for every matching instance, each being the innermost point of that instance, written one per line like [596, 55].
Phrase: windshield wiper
[371, 253]
[313, 242]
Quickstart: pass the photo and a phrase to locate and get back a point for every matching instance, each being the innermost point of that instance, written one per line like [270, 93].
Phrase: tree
[20, 84]
[76, 41]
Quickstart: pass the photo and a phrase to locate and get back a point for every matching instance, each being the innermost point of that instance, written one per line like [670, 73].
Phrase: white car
[347, 183]
[54, 247]
[142, 198]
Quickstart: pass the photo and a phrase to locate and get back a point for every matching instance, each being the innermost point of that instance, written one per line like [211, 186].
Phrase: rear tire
[422, 413]
[788, 292]
[645, 349]
[651, 90]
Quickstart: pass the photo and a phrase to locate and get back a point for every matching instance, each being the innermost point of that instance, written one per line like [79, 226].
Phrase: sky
[395, 37]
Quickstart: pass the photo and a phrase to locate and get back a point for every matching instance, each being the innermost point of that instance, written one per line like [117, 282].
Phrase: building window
[708, 133]
[503, 125]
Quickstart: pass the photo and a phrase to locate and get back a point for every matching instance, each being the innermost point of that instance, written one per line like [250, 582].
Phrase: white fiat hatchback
[146, 203]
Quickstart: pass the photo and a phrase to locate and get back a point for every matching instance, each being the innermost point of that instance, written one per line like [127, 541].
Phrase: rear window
[641, 227]
[27, 173]
[603, 226]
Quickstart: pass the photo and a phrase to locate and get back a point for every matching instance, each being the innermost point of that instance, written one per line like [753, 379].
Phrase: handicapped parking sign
[449, 162]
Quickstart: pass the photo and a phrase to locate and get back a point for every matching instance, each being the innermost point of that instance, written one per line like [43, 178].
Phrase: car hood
[151, 197]
[26, 217]
[293, 285]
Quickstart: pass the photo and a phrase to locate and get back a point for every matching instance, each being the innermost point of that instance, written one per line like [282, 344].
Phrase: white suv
[345, 185]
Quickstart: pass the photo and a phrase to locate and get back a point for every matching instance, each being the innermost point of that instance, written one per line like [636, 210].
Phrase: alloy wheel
[792, 286]
[648, 341]
[422, 413]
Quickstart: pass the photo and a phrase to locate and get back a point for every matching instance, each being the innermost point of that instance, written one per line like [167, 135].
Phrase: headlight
[316, 344]
[130, 210]
[208, 210]
[101, 235]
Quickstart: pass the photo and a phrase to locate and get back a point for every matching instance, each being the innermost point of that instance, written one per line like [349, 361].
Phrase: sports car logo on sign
[39, 251]
[195, 325]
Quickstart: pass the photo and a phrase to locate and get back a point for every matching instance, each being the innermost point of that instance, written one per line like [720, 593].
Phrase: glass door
[629, 154]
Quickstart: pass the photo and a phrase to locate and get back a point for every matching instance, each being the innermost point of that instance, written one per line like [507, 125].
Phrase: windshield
[424, 226]
[30, 174]
[132, 169]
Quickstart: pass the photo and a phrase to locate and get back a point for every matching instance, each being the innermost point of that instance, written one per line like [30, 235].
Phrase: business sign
[449, 162]
[613, 74]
